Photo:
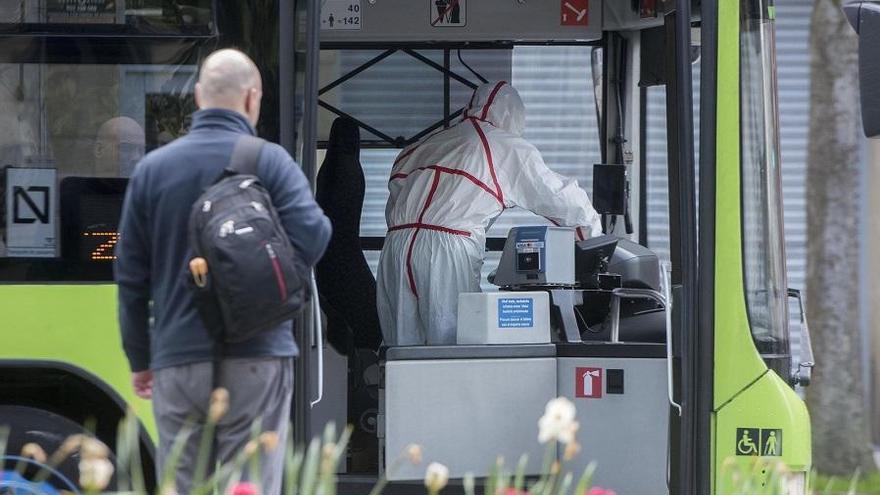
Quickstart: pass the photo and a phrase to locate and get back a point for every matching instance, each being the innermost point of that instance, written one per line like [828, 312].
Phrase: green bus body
[75, 326]
[746, 393]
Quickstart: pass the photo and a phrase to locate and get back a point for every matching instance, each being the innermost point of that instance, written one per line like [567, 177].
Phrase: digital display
[90, 211]
[99, 222]
[100, 245]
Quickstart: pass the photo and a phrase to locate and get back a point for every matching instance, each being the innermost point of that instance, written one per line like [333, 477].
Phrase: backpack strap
[245, 155]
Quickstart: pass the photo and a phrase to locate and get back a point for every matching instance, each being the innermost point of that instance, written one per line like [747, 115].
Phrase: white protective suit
[445, 192]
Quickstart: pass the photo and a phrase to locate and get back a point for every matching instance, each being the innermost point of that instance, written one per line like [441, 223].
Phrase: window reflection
[88, 125]
[194, 17]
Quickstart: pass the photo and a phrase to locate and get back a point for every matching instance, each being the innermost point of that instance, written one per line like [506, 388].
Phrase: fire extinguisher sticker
[588, 383]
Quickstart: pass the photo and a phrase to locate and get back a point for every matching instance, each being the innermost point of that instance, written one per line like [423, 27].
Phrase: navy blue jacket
[152, 253]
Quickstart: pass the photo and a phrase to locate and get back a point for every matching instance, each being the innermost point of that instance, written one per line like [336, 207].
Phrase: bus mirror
[865, 19]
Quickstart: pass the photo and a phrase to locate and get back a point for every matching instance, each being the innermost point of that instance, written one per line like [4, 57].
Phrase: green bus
[87, 88]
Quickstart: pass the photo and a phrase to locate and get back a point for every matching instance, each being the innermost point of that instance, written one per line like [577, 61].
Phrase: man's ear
[197, 95]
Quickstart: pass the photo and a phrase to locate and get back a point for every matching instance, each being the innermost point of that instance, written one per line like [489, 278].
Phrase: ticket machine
[521, 346]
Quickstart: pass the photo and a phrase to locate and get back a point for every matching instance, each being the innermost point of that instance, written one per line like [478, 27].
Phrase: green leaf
[586, 480]
[566, 484]
[520, 477]
[469, 484]
[310, 469]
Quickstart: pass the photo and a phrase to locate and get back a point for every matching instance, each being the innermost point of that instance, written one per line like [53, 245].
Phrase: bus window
[763, 242]
[86, 88]
[552, 80]
[70, 135]
[194, 17]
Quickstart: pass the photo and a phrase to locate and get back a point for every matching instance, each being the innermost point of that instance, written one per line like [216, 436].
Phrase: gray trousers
[260, 389]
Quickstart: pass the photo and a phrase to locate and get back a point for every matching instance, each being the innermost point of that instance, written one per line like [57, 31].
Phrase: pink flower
[243, 488]
[600, 491]
[512, 491]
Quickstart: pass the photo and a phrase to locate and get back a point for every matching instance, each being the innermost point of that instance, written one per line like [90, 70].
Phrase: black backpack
[249, 278]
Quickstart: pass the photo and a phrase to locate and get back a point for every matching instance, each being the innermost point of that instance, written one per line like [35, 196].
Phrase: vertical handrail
[317, 337]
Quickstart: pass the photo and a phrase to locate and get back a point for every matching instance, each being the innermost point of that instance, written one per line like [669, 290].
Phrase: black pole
[304, 339]
[446, 87]
[686, 274]
[643, 166]
[704, 337]
[286, 76]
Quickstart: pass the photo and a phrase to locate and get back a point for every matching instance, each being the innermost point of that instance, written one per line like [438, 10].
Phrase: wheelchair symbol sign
[765, 442]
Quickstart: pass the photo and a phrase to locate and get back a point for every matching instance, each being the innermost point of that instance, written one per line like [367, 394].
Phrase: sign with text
[82, 11]
[518, 312]
[342, 15]
[30, 213]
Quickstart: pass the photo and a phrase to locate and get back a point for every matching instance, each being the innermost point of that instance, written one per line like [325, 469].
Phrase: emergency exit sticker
[574, 13]
[516, 312]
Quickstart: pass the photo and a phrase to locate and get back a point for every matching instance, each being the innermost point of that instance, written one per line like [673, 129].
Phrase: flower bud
[219, 405]
[244, 488]
[251, 448]
[571, 450]
[34, 451]
[269, 440]
[92, 448]
[95, 473]
[436, 477]
[600, 491]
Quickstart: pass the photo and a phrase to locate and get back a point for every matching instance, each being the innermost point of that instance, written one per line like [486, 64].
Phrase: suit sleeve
[304, 221]
[533, 186]
[132, 271]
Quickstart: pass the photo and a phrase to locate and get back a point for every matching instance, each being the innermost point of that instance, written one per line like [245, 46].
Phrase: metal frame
[386, 140]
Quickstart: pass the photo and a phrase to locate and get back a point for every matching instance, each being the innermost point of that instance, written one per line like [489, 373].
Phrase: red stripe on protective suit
[488, 152]
[410, 151]
[453, 171]
[412, 240]
[428, 226]
[580, 233]
[492, 96]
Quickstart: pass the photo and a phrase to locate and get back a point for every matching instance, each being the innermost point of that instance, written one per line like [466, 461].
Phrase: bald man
[119, 145]
[171, 361]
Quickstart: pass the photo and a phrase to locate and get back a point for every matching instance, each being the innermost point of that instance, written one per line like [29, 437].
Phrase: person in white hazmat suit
[445, 192]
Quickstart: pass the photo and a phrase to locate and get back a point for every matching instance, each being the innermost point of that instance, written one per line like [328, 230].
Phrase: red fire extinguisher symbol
[589, 383]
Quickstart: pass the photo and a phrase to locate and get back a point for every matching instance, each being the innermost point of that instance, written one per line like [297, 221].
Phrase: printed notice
[516, 312]
[344, 15]
[30, 212]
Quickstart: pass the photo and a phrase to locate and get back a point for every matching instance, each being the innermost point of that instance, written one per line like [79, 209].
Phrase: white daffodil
[95, 473]
[558, 422]
[436, 477]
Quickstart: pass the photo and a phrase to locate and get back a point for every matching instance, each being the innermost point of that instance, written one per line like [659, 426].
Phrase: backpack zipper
[279, 275]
